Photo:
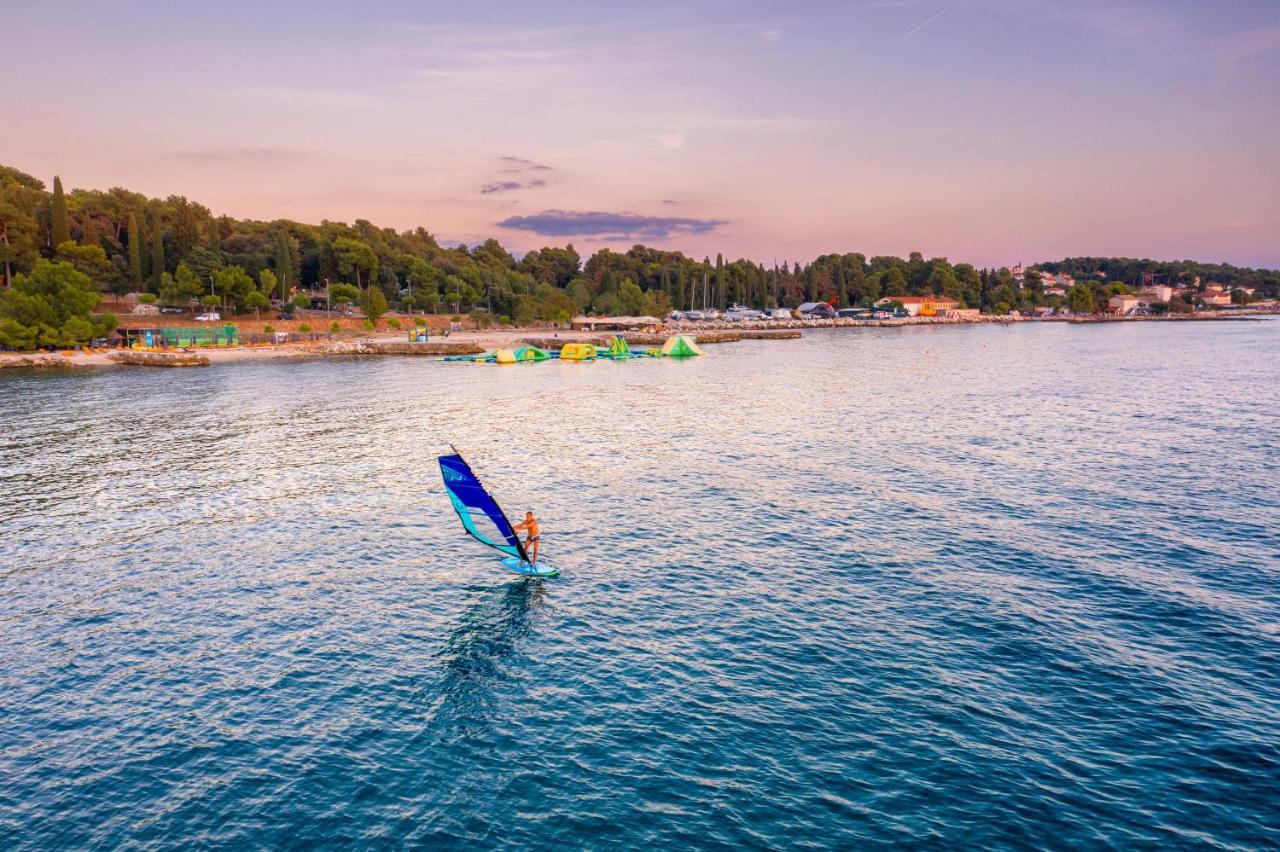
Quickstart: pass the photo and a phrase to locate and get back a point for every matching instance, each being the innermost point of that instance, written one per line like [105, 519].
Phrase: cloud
[615, 226]
[1249, 44]
[510, 186]
[927, 21]
[239, 156]
[521, 171]
[519, 163]
[770, 36]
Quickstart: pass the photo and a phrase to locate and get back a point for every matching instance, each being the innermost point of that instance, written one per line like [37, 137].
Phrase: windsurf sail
[480, 514]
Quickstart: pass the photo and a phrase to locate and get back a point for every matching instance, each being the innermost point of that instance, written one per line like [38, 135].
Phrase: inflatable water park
[676, 346]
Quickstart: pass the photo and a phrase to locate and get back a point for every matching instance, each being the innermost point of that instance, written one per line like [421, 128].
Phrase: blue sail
[480, 514]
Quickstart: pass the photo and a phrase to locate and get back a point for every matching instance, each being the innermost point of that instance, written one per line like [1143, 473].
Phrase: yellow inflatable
[504, 356]
[578, 352]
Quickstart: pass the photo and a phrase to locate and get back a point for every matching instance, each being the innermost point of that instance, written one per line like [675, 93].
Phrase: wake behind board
[542, 569]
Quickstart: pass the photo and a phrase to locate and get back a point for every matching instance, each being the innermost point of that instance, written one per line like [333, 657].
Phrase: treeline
[179, 252]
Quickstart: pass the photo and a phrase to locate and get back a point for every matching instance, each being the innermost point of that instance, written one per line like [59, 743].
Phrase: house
[923, 306]
[1123, 306]
[1158, 292]
[1216, 298]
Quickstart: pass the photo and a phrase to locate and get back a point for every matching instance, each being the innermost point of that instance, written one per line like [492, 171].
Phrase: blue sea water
[962, 586]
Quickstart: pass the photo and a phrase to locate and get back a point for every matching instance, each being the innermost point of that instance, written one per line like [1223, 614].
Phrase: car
[695, 316]
[285, 315]
[778, 314]
[212, 316]
[172, 309]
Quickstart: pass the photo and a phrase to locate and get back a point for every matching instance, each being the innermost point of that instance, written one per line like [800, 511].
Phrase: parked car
[695, 316]
[171, 309]
[212, 316]
[285, 315]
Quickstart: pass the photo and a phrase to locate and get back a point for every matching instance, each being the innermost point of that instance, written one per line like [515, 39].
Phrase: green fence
[219, 335]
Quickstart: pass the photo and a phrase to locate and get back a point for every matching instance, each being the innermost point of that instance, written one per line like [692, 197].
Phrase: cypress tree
[135, 253]
[284, 265]
[61, 228]
[215, 238]
[157, 252]
[720, 282]
[88, 234]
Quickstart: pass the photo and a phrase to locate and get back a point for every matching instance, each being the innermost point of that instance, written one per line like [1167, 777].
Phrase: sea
[998, 586]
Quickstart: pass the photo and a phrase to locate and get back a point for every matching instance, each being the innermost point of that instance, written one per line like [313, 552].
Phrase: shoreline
[489, 339]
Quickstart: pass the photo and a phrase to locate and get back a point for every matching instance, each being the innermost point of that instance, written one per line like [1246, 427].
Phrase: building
[1123, 306]
[923, 306]
[1157, 293]
[1216, 298]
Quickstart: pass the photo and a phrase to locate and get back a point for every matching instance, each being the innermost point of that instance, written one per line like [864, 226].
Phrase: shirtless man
[530, 526]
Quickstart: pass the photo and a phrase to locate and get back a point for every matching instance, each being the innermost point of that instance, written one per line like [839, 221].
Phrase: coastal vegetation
[179, 252]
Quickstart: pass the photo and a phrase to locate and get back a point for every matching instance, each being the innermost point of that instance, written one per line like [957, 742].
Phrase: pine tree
[720, 294]
[135, 253]
[157, 252]
[215, 238]
[61, 228]
[284, 265]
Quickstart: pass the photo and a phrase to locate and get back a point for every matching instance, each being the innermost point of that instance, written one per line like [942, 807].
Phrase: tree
[374, 304]
[60, 228]
[344, 294]
[234, 285]
[257, 301]
[354, 257]
[1080, 299]
[135, 253]
[89, 259]
[182, 287]
[284, 264]
[157, 251]
[267, 281]
[52, 306]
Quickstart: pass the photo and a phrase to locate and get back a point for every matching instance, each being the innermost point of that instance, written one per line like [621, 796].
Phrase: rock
[160, 359]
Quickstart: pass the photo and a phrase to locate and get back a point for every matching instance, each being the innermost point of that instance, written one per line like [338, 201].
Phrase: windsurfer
[529, 525]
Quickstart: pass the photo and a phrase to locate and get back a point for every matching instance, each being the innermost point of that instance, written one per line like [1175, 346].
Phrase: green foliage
[305, 328]
[335, 327]
[267, 281]
[157, 253]
[234, 285]
[368, 325]
[301, 301]
[51, 306]
[374, 304]
[89, 259]
[420, 322]
[147, 299]
[269, 328]
[60, 228]
[354, 257]
[210, 301]
[135, 252]
[344, 294]
[257, 301]
[393, 323]
[1080, 299]
[181, 287]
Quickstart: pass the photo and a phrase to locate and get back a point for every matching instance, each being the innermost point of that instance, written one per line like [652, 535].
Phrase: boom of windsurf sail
[480, 514]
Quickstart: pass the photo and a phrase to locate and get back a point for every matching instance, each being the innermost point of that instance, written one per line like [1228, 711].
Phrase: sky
[987, 131]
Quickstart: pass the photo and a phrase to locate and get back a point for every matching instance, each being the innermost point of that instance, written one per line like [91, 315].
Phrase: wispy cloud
[239, 156]
[519, 173]
[927, 21]
[1241, 46]
[619, 226]
[770, 36]
[327, 98]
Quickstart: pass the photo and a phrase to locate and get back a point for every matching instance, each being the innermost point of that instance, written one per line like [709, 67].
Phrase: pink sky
[992, 131]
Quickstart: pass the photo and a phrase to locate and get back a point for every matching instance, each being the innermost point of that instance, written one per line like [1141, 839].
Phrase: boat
[483, 518]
